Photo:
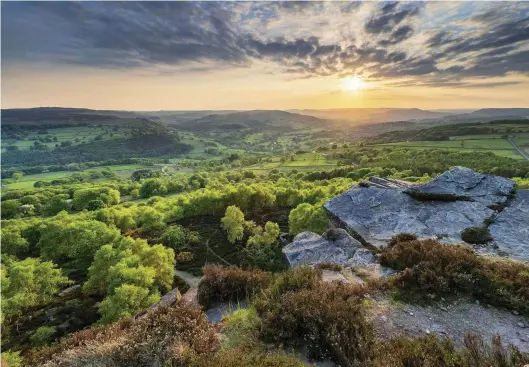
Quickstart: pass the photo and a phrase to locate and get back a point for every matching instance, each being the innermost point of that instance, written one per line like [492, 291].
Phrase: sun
[353, 84]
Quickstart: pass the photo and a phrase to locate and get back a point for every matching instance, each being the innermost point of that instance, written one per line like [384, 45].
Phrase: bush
[431, 268]
[175, 238]
[328, 265]
[95, 205]
[167, 336]
[402, 237]
[431, 351]
[42, 336]
[222, 284]
[476, 235]
[329, 319]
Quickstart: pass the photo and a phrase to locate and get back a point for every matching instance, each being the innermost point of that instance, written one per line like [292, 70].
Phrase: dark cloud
[504, 34]
[389, 17]
[199, 35]
[399, 35]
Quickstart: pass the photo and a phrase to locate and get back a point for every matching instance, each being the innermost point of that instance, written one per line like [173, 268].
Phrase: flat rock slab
[307, 248]
[466, 183]
[377, 214]
[510, 229]
[453, 321]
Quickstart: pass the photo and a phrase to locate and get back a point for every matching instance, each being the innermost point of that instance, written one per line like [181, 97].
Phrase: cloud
[389, 17]
[302, 39]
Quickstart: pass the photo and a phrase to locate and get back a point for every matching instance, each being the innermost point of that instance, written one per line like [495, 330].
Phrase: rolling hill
[259, 120]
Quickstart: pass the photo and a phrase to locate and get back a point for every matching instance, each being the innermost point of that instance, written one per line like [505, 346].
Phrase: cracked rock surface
[377, 214]
[450, 203]
[466, 183]
[510, 229]
[335, 245]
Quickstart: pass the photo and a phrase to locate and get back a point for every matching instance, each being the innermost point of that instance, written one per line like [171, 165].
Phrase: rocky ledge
[443, 208]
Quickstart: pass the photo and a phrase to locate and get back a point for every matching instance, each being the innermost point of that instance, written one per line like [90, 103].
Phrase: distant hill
[373, 115]
[259, 120]
[47, 117]
[498, 112]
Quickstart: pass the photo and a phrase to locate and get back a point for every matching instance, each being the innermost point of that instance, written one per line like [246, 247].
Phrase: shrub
[175, 238]
[402, 237]
[329, 319]
[95, 205]
[431, 268]
[221, 284]
[42, 336]
[476, 235]
[11, 359]
[328, 265]
[167, 336]
[431, 351]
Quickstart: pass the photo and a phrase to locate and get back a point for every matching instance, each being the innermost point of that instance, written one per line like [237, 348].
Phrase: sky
[264, 55]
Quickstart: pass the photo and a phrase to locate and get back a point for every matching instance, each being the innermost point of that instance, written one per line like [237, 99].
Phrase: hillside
[373, 115]
[259, 120]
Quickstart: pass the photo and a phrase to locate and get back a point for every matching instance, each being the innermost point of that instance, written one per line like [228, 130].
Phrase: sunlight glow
[353, 84]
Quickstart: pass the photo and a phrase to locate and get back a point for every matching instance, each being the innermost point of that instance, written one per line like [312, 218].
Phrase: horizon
[191, 56]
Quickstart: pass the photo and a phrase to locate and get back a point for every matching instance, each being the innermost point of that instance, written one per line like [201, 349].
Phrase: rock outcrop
[464, 183]
[443, 208]
[377, 214]
[510, 229]
[335, 245]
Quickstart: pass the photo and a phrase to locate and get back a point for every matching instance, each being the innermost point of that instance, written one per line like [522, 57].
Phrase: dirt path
[515, 146]
[193, 281]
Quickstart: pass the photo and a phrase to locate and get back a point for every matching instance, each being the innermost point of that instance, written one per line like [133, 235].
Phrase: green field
[496, 143]
[76, 135]
[26, 182]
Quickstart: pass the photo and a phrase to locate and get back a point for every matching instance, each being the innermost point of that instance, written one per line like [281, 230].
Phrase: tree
[42, 336]
[153, 187]
[95, 205]
[135, 193]
[127, 300]
[149, 220]
[75, 240]
[232, 222]
[10, 209]
[175, 238]
[17, 176]
[28, 283]
[12, 241]
[57, 204]
[268, 237]
[306, 217]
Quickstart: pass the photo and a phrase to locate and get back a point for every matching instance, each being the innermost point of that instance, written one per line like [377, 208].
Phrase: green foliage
[149, 220]
[476, 235]
[306, 217]
[12, 242]
[221, 284]
[130, 262]
[12, 359]
[83, 197]
[11, 209]
[135, 193]
[95, 205]
[266, 238]
[28, 283]
[42, 336]
[431, 268]
[75, 240]
[233, 222]
[175, 238]
[152, 187]
[127, 300]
